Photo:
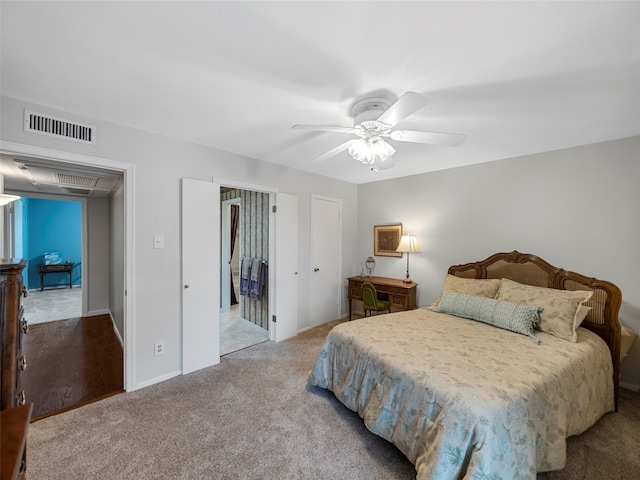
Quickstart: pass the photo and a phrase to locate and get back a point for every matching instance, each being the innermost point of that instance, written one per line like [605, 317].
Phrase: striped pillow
[515, 317]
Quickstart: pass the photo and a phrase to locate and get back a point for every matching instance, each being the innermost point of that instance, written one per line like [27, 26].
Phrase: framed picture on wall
[386, 239]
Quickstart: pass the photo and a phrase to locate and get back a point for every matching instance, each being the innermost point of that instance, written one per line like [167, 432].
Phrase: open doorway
[244, 302]
[102, 188]
[48, 234]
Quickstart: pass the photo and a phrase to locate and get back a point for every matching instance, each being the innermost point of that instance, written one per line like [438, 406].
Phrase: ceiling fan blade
[333, 152]
[407, 104]
[435, 138]
[323, 128]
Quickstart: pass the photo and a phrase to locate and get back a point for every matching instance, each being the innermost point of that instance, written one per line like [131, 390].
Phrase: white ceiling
[516, 77]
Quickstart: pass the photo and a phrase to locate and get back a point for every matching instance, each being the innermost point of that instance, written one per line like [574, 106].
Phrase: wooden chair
[370, 302]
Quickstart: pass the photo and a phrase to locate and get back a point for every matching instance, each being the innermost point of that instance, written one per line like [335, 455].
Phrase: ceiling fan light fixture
[374, 120]
[371, 150]
[381, 149]
[359, 150]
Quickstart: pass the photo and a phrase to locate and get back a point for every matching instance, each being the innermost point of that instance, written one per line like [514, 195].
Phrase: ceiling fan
[374, 120]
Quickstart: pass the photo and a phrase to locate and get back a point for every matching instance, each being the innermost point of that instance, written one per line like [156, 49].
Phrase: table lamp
[408, 244]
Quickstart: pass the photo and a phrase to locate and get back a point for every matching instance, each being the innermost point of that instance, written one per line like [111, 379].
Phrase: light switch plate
[158, 241]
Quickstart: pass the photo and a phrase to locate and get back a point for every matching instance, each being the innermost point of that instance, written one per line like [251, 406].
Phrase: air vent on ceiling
[58, 127]
[78, 191]
[71, 179]
[58, 179]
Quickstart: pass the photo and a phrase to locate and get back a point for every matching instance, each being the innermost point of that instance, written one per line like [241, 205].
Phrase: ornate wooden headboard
[532, 270]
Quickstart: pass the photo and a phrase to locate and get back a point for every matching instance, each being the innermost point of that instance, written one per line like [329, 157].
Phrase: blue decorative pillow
[515, 317]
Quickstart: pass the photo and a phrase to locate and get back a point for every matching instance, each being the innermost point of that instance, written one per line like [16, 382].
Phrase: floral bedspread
[465, 400]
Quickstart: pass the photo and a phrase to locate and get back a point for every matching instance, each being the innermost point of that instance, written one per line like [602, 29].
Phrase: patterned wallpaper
[254, 243]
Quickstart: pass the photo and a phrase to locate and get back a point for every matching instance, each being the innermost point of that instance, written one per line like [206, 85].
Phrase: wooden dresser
[400, 295]
[12, 328]
[13, 441]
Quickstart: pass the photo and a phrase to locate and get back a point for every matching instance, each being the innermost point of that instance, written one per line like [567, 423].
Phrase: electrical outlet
[158, 349]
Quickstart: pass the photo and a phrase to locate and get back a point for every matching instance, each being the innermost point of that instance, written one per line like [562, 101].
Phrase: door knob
[186, 286]
[316, 269]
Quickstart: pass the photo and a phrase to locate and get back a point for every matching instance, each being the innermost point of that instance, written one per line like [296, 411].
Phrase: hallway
[71, 363]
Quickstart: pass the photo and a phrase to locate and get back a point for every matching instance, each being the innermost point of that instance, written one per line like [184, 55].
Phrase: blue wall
[53, 226]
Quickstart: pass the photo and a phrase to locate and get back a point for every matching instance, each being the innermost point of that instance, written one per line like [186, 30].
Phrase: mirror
[370, 264]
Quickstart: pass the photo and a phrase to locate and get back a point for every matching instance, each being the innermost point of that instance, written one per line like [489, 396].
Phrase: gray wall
[159, 163]
[98, 256]
[576, 208]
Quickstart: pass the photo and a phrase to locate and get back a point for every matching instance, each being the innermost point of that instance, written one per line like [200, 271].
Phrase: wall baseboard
[630, 386]
[155, 380]
[115, 330]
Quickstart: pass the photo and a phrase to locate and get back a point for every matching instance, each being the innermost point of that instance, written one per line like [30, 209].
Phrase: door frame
[225, 242]
[272, 191]
[128, 172]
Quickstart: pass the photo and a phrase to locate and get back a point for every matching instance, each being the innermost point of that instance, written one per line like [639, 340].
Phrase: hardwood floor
[71, 363]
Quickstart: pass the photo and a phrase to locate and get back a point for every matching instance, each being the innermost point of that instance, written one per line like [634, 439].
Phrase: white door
[286, 267]
[326, 254]
[200, 274]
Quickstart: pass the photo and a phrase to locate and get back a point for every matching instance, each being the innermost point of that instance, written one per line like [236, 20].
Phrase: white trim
[153, 381]
[94, 313]
[272, 274]
[115, 330]
[128, 170]
[225, 246]
[84, 215]
[244, 186]
[13, 148]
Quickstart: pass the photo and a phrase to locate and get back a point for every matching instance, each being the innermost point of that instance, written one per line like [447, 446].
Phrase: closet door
[286, 267]
[200, 274]
[326, 259]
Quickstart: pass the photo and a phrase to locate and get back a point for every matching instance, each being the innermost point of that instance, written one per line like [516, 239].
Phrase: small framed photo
[386, 239]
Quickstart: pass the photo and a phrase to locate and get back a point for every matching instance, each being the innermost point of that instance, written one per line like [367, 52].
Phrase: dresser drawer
[398, 301]
[390, 289]
[355, 293]
[13, 361]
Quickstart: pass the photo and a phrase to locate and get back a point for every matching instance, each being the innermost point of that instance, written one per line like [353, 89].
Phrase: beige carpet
[253, 417]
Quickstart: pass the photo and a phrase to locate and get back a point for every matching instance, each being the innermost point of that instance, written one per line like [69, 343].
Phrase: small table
[401, 295]
[56, 268]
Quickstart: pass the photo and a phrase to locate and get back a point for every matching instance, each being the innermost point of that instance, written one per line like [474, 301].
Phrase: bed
[462, 398]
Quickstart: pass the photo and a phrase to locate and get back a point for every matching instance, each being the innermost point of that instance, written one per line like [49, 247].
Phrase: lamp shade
[409, 244]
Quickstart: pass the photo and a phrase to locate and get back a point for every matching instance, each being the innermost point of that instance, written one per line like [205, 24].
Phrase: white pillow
[560, 307]
[478, 287]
